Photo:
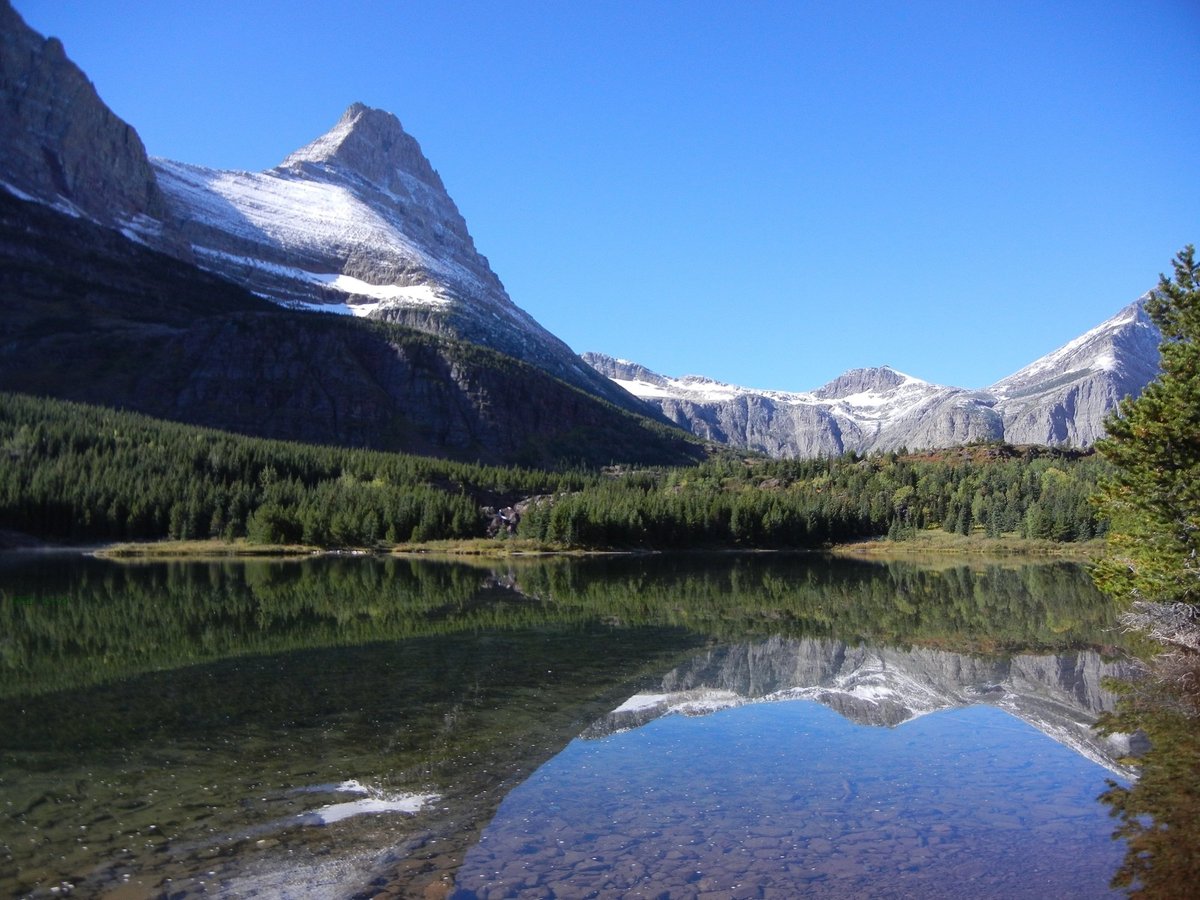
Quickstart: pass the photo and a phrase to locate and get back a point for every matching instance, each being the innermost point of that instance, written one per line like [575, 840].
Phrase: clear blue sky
[765, 193]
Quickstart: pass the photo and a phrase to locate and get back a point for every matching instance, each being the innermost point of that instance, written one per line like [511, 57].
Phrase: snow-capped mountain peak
[372, 144]
[1098, 350]
[860, 409]
[878, 380]
[357, 221]
[1063, 397]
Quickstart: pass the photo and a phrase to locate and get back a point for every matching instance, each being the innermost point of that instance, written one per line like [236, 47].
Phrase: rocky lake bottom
[789, 799]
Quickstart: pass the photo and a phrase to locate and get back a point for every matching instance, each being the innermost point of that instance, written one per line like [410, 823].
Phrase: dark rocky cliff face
[61, 143]
[87, 315]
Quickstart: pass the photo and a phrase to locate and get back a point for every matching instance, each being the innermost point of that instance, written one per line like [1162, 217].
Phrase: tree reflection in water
[1159, 813]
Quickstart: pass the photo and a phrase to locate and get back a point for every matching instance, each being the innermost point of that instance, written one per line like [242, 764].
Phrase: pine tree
[1152, 499]
[1153, 504]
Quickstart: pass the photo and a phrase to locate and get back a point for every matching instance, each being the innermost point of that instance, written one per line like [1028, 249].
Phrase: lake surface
[666, 726]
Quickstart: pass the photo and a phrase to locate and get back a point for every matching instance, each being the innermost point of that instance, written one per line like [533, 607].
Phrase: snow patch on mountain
[362, 298]
[890, 396]
[1064, 397]
[1094, 350]
[863, 407]
[276, 218]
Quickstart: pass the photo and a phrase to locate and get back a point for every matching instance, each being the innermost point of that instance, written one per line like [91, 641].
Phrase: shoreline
[879, 550]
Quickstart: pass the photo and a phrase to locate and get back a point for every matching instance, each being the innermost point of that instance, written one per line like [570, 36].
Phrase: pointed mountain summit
[372, 144]
[358, 222]
[1063, 397]
[369, 152]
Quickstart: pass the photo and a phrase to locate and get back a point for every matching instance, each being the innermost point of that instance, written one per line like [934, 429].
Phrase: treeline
[993, 489]
[77, 472]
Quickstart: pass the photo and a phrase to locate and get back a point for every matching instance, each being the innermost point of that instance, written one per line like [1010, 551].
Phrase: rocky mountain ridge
[1060, 399]
[64, 147]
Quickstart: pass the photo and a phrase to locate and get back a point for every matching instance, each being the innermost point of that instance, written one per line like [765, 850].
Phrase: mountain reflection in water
[233, 728]
[1061, 694]
[770, 797]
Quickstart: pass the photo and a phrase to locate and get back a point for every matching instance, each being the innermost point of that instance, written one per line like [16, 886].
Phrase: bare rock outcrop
[1063, 397]
[62, 144]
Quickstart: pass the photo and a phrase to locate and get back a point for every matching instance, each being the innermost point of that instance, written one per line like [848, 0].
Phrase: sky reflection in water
[790, 798]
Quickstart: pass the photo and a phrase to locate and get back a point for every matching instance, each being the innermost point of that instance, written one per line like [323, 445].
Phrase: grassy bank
[937, 542]
[490, 548]
[932, 543]
[206, 549]
[241, 548]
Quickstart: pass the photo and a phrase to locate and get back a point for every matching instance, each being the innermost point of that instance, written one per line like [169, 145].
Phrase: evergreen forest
[74, 472]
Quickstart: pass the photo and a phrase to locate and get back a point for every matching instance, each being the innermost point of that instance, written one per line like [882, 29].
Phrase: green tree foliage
[87, 473]
[1160, 813]
[67, 625]
[1152, 498]
[757, 503]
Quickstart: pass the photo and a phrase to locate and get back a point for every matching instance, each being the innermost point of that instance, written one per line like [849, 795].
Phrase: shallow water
[359, 727]
[791, 799]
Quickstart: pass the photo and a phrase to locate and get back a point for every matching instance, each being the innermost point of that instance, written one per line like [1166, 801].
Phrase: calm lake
[677, 726]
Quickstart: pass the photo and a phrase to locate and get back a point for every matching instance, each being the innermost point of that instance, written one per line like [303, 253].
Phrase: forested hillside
[79, 472]
[91, 473]
[993, 489]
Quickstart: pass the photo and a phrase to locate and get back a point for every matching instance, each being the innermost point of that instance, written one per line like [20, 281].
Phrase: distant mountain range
[144, 284]
[1060, 399]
